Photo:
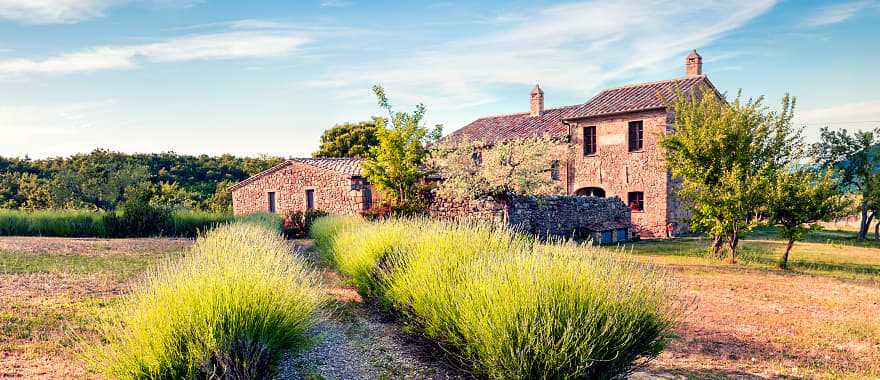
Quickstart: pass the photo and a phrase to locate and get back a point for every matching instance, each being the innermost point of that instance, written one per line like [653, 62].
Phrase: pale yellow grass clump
[506, 305]
[233, 305]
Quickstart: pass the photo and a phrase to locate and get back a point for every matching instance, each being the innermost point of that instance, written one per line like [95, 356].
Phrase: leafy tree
[856, 159]
[349, 140]
[724, 152]
[172, 196]
[35, 192]
[395, 166]
[796, 200]
[221, 200]
[472, 170]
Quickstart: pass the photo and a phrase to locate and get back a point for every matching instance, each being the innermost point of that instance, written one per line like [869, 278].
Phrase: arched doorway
[590, 192]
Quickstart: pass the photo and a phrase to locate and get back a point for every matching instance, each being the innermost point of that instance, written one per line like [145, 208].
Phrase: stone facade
[332, 191]
[605, 220]
[618, 171]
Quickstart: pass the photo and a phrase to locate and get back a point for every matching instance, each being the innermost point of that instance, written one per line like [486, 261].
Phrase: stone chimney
[693, 64]
[537, 101]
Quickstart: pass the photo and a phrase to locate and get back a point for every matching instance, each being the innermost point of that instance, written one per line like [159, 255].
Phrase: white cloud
[226, 45]
[335, 3]
[837, 13]
[52, 11]
[573, 48]
[865, 114]
[71, 11]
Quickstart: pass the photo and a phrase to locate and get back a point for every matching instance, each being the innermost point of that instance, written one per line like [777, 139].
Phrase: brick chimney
[537, 101]
[693, 64]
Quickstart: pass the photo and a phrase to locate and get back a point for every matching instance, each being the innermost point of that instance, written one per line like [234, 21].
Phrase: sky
[268, 77]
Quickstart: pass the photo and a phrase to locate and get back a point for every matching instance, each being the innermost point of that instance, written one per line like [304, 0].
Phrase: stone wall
[618, 171]
[334, 192]
[557, 215]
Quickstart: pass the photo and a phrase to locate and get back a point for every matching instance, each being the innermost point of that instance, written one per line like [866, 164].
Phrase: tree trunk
[863, 224]
[732, 243]
[877, 231]
[716, 245]
[783, 263]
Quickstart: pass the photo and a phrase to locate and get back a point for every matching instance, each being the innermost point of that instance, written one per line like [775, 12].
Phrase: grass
[123, 266]
[85, 223]
[843, 258]
[506, 306]
[228, 309]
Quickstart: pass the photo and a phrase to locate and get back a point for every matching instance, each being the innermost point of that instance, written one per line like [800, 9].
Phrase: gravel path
[356, 343]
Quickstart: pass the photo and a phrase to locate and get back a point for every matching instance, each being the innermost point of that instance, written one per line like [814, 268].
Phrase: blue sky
[267, 77]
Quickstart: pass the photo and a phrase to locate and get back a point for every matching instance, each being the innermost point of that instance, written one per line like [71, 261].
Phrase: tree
[856, 159]
[472, 170]
[396, 164]
[221, 200]
[796, 200]
[349, 140]
[723, 153]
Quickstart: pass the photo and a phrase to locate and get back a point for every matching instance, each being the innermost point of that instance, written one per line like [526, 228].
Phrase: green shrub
[185, 223]
[228, 309]
[296, 223]
[62, 223]
[271, 221]
[507, 306]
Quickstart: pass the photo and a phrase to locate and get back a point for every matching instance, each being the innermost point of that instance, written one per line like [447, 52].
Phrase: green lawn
[829, 253]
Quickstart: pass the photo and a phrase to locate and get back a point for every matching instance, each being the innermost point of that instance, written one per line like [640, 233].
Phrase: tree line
[104, 180]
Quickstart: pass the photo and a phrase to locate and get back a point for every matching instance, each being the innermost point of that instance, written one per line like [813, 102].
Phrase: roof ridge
[327, 158]
[701, 76]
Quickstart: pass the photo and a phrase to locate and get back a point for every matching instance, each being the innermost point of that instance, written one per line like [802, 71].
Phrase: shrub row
[507, 306]
[226, 310]
[131, 222]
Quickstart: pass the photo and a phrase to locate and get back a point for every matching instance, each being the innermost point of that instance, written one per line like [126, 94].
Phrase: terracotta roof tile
[505, 127]
[637, 97]
[344, 165]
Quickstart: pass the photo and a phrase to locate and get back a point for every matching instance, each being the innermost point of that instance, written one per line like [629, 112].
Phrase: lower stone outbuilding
[334, 185]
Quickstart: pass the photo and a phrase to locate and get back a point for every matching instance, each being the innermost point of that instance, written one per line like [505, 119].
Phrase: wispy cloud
[226, 45]
[856, 115]
[70, 11]
[554, 46]
[335, 3]
[837, 13]
[66, 118]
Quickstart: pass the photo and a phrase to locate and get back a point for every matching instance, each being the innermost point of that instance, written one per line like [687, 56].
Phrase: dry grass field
[819, 320]
[52, 289]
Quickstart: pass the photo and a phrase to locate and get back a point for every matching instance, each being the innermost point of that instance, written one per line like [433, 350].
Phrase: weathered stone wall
[555, 215]
[567, 216]
[334, 192]
[618, 171]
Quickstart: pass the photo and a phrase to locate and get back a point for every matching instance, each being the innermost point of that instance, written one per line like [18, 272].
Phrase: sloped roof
[491, 129]
[637, 97]
[344, 165]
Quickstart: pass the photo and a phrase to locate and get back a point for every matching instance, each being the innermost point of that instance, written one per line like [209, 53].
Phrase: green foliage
[798, 199]
[396, 164]
[349, 140]
[724, 153]
[98, 180]
[228, 309]
[472, 170]
[856, 161]
[505, 305]
[296, 223]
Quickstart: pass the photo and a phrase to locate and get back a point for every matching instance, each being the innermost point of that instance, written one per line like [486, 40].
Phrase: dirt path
[357, 343]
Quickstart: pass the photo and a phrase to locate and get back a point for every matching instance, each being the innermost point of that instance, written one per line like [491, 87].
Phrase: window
[636, 200]
[554, 170]
[590, 192]
[589, 140]
[621, 234]
[310, 199]
[271, 196]
[607, 237]
[477, 157]
[636, 132]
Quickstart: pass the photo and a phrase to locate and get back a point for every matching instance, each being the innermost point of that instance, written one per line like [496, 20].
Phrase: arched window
[590, 192]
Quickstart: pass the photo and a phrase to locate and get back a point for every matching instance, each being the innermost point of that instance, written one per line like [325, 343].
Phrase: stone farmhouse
[334, 185]
[617, 134]
[616, 131]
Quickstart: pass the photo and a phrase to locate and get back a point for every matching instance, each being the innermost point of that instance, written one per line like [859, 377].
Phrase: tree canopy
[724, 152]
[349, 140]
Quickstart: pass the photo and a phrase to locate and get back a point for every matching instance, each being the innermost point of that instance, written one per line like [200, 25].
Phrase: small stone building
[333, 185]
[617, 133]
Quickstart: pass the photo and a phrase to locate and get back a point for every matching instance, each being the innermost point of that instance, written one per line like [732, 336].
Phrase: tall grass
[505, 305]
[86, 223]
[228, 309]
